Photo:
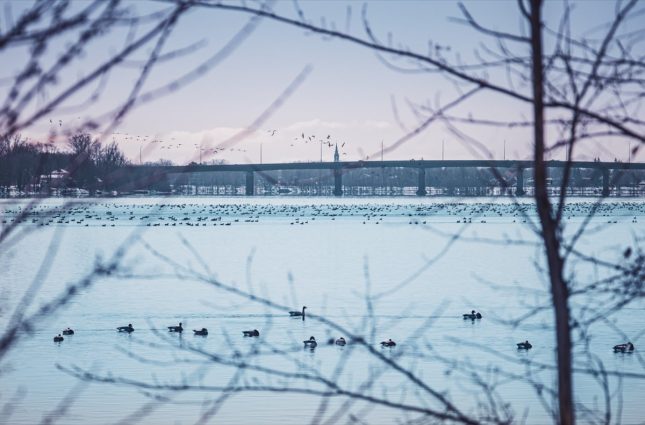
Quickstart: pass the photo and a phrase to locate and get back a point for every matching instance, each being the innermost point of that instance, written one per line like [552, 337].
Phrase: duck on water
[388, 343]
[201, 332]
[311, 342]
[176, 328]
[473, 315]
[68, 331]
[128, 329]
[526, 345]
[58, 338]
[624, 348]
[298, 313]
[254, 332]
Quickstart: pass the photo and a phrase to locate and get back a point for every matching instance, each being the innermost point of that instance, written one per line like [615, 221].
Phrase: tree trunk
[559, 290]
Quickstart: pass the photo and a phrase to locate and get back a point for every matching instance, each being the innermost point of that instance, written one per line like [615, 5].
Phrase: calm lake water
[326, 254]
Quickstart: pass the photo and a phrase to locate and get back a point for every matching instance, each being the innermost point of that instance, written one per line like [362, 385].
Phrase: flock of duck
[110, 214]
[475, 315]
[96, 213]
[311, 343]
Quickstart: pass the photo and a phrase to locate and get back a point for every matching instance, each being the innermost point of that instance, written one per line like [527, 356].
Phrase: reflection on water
[325, 254]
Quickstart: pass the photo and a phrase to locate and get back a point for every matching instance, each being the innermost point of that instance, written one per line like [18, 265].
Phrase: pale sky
[346, 98]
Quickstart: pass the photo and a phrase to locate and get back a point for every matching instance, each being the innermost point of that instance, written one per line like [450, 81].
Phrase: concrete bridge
[341, 167]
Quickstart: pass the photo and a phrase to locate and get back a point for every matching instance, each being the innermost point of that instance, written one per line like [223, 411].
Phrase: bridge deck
[348, 165]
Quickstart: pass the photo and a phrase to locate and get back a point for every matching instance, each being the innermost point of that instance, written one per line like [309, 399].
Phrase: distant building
[336, 155]
[57, 178]
[60, 175]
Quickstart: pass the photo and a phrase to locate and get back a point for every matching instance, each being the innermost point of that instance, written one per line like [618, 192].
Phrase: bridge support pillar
[250, 184]
[605, 182]
[338, 182]
[421, 189]
[519, 185]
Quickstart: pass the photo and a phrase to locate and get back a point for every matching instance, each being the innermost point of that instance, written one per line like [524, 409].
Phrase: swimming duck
[624, 348]
[58, 338]
[341, 341]
[254, 332]
[524, 345]
[388, 343]
[311, 342]
[202, 332]
[298, 313]
[176, 328]
[127, 329]
[68, 331]
[472, 315]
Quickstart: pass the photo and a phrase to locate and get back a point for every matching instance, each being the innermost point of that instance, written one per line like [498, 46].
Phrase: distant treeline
[41, 168]
[37, 167]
